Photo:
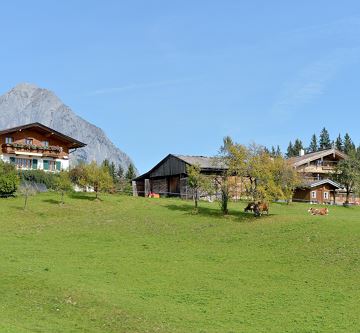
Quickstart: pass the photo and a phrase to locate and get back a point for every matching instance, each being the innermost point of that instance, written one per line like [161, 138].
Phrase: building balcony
[318, 169]
[31, 150]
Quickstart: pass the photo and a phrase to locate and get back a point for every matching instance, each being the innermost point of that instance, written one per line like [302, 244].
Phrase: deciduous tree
[198, 183]
[347, 173]
[63, 184]
[98, 178]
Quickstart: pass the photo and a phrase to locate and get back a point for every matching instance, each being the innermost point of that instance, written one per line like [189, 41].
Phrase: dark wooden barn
[169, 176]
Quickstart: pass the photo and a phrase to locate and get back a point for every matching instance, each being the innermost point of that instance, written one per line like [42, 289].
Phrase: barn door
[174, 185]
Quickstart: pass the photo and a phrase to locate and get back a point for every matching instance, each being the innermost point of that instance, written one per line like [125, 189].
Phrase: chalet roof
[42, 128]
[300, 160]
[325, 181]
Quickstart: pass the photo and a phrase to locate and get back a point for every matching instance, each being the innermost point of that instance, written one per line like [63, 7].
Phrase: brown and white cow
[318, 211]
[260, 208]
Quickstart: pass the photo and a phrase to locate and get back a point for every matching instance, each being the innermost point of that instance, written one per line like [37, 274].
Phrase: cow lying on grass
[258, 208]
[318, 211]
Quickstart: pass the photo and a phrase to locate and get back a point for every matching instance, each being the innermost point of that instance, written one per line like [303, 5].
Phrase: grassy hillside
[148, 265]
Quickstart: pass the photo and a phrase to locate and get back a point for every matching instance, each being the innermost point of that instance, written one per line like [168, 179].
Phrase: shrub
[9, 179]
[40, 177]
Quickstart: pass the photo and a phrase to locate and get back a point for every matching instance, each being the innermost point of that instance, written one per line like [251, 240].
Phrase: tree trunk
[62, 197]
[347, 197]
[25, 203]
[196, 199]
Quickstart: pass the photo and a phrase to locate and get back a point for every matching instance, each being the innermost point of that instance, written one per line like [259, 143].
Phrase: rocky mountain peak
[27, 103]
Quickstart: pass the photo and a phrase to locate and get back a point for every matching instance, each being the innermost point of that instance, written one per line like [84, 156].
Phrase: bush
[40, 177]
[9, 179]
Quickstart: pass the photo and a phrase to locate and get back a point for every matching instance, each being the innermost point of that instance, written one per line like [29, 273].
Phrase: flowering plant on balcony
[56, 149]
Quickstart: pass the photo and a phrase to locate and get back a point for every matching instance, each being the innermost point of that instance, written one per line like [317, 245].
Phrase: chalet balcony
[23, 149]
[325, 167]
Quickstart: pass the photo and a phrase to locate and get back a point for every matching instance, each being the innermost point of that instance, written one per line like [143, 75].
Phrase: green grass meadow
[149, 265]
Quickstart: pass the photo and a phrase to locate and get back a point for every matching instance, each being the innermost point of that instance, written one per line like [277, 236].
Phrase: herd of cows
[260, 208]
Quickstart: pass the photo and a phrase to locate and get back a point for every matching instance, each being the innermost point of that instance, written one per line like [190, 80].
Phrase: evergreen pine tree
[106, 163]
[313, 144]
[339, 143]
[120, 172]
[324, 142]
[298, 146]
[278, 151]
[112, 170]
[130, 173]
[348, 144]
[273, 151]
[290, 150]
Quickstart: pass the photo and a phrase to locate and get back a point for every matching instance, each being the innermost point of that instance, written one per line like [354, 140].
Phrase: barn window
[9, 139]
[313, 194]
[326, 195]
[28, 141]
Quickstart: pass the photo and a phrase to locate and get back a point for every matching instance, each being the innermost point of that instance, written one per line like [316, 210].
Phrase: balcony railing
[12, 148]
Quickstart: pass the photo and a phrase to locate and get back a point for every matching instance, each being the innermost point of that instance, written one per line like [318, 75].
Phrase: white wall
[40, 166]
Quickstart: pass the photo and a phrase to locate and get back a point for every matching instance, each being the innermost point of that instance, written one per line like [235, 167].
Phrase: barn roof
[300, 160]
[203, 161]
[207, 164]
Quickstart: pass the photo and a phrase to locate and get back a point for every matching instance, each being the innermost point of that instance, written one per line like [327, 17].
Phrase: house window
[9, 139]
[28, 141]
[23, 163]
[52, 165]
[313, 194]
[326, 195]
[45, 143]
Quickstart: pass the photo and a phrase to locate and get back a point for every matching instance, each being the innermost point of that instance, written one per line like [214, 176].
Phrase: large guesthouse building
[316, 171]
[37, 147]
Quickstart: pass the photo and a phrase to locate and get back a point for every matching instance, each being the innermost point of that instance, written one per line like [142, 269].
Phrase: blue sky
[177, 76]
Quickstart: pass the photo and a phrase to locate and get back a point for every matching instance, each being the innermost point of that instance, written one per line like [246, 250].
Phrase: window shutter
[46, 164]
[34, 163]
[12, 160]
[58, 165]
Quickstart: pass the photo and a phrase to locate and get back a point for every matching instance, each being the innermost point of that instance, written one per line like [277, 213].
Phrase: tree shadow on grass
[52, 201]
[213, 212]
[82, 196]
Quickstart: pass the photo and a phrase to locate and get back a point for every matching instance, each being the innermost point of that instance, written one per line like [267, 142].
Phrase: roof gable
[176, 164]
[73, 143]
[301, 160]
[325, 181]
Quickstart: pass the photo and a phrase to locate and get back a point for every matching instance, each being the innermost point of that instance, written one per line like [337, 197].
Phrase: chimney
[301, 152]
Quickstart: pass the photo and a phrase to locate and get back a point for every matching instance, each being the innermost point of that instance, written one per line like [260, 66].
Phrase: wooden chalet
[169, 176]
[316, 170]
[37, 147]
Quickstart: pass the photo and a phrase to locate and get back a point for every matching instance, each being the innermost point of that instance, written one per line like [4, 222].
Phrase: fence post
[134, 188]
[147, 187]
